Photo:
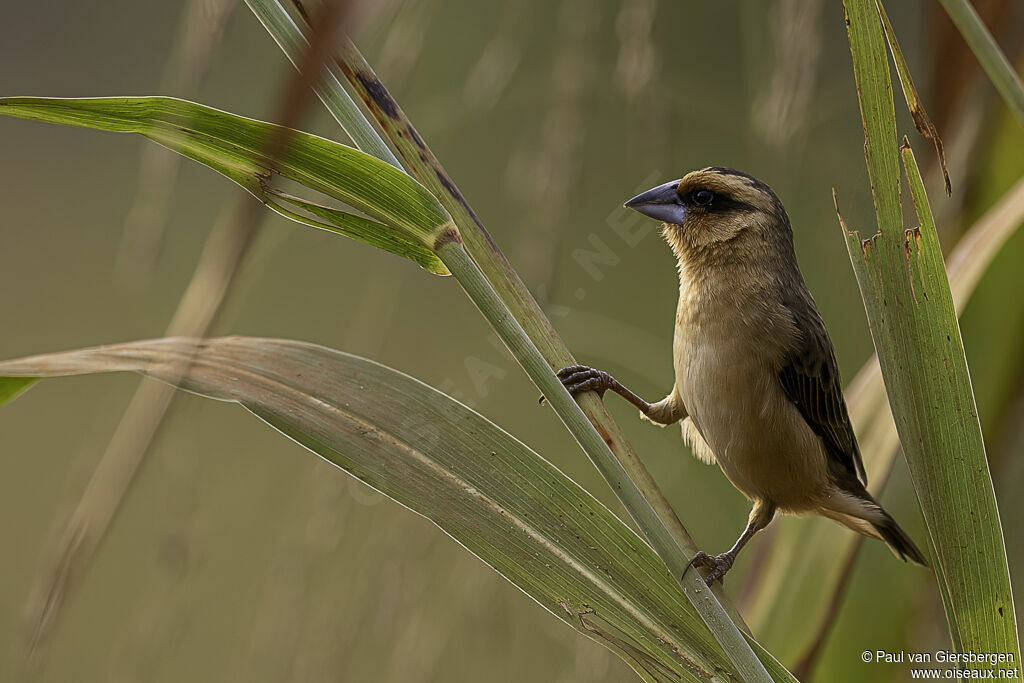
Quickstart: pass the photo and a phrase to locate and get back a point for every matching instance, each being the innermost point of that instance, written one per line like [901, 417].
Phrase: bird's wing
[810, 379]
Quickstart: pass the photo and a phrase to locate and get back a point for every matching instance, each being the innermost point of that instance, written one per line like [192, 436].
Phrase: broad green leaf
[235, 147]
[487, 490]
[913, 325]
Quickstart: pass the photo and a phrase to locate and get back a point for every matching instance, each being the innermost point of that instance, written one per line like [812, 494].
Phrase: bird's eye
[703, 197]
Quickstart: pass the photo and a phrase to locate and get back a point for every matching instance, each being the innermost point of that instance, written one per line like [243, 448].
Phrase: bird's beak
[660, 203]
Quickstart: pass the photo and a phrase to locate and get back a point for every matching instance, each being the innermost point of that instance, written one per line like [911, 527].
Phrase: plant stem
[479, 289]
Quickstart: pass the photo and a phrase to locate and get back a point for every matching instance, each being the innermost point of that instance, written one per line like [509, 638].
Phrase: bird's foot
[580, 378]
[717, 565]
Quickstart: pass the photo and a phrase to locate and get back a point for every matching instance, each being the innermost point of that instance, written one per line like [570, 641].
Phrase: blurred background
[236, 555]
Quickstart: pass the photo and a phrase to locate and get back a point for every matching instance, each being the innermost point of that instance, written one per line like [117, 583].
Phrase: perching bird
[756, 382]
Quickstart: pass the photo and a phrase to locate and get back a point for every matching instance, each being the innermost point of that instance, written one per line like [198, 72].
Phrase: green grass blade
[234, 146]
[913, 325]
[282, 28]
[986, 50]
[489, 491]
[958, 495]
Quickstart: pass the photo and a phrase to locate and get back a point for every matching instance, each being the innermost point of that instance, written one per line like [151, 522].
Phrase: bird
[757, 387]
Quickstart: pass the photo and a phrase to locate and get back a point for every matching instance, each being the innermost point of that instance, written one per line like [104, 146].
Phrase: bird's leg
[718, 565]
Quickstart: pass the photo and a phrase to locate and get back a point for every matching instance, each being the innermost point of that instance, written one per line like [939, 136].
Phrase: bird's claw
[717, 565]
[580, 378]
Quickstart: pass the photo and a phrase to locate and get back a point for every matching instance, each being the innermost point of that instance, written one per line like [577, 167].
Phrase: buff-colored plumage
[756, 383]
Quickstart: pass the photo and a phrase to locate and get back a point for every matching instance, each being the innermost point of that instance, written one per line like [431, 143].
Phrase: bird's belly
[760, 440]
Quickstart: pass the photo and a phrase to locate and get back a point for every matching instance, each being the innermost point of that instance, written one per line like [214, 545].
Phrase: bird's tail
[862, 513]
[898, 540]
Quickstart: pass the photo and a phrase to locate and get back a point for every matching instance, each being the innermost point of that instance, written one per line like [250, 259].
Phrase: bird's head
[713, 205]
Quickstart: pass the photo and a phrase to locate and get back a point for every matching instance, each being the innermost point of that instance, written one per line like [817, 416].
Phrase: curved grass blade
[234, 146]
[487, 490]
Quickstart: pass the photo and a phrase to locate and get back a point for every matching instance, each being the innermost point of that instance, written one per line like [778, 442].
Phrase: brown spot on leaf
[415, 137]
[447, 184]
[455, 194]
[379, 94]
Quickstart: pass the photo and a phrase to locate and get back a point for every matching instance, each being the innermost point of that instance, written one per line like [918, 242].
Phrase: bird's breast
[727, 356]
[724, 359]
